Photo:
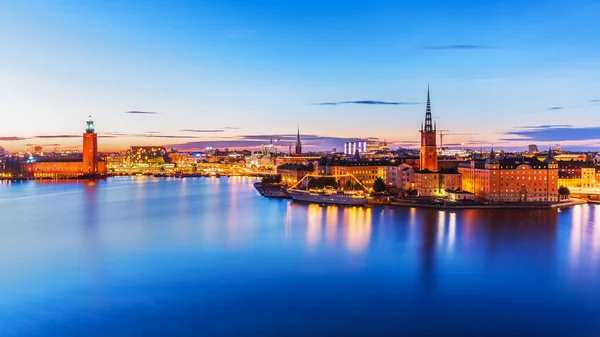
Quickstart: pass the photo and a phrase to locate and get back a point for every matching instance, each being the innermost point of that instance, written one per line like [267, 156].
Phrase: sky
[191, 74]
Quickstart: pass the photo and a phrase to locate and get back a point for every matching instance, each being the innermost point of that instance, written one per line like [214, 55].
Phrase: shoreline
[569, 203]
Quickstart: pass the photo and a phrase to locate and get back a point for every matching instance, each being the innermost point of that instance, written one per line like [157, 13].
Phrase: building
[427, 179]
[575, 173]
[365, 146]
[89, 164]
[298, 144]
[428, 154]
[460, 195]
[146, 155]
[293, 173]
[518, 179]
[400, 176]
[533, 148]
[364, 171]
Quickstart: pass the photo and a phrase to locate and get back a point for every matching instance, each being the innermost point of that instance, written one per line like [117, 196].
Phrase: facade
[88, 164]
[576, 173]
[427, 183]
[400, 176]
[450, 181]
[293, 173]
[147, 155]
[364, 171]
[459, 194]
[511, 179]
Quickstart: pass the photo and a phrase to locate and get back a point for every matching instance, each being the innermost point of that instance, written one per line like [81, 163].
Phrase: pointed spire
[428, 123]
[298, 143]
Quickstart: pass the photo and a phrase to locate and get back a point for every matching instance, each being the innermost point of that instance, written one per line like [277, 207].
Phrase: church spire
[298, 143]
[428, 123]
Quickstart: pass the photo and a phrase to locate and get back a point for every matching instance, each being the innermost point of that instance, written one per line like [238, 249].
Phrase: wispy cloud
[11, 138]
[458, 47]
[202, 130]
[368, 102]
[595, 101]
[554, 133]
[231, 128]
[142, 112]
[164, 136]
[554, 108]
[57, 136]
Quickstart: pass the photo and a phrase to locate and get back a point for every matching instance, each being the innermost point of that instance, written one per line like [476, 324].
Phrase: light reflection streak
[314, 222]
[596, 234]
[331, 221]
[575, 240]
[287, 221]
[441, 228]
[358, 231]
[451, 231]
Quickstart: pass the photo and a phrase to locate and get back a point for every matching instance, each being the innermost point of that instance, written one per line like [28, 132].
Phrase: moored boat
[329, 196]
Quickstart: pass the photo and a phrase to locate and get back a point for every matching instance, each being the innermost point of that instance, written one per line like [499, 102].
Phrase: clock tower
[90, 149]
[428, 159]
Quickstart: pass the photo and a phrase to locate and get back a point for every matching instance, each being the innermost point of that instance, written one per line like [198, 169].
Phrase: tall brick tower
[90, 149]
[428, 157]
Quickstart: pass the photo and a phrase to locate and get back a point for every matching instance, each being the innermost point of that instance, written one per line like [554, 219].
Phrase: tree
[379, 185]
[564, 192]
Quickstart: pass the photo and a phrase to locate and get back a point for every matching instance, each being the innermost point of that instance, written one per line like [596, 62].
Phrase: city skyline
[233, 75]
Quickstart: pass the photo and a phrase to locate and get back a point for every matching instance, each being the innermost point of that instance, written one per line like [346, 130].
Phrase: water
[210, 257]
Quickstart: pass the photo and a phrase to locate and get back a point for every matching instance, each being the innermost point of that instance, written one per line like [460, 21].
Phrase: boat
[271, 190]
[218, 175]
[329, 196]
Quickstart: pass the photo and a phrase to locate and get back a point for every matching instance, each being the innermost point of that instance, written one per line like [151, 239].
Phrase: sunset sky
[233, 73]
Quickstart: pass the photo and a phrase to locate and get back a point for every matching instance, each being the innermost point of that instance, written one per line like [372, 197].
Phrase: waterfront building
[517, 179]
[427, 179]
[293, 173]
[400, 176]
[364, 171]
[577, 174]
[459, 194]
[89, 163]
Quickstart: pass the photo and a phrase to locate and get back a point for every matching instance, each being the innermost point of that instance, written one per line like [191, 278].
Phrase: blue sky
[513, 72]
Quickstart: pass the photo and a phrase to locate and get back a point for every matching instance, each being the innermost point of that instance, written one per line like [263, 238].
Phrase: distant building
[148, 155]
[298, 144]
[533, 148]
[364, 171]
[71, 167]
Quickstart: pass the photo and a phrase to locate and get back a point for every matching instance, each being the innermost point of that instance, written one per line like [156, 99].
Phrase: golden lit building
[292, 173]
[364, 171]
[511, 179]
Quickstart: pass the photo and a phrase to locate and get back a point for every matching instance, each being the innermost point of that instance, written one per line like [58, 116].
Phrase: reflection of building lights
[451, 231]
[314, 219]
[359, 228]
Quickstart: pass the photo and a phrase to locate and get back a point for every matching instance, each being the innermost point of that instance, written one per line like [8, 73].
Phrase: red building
[88, 164]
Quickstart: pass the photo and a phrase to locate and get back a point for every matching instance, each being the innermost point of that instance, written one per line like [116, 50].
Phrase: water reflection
[358, 222]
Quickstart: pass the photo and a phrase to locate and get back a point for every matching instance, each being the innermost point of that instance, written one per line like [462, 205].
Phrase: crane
[450, 133]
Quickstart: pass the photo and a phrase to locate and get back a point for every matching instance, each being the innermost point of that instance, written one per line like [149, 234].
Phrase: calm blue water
[210, 257]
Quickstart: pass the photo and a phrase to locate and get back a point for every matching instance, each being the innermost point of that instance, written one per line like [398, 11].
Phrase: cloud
[163, 136]
[142, 112]
[11, 138]
[368, 102]
[458, 47]
[595, 101]
[556, 108]
[553, 133]
[202, 130]
[57, 136]
[231, 128]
